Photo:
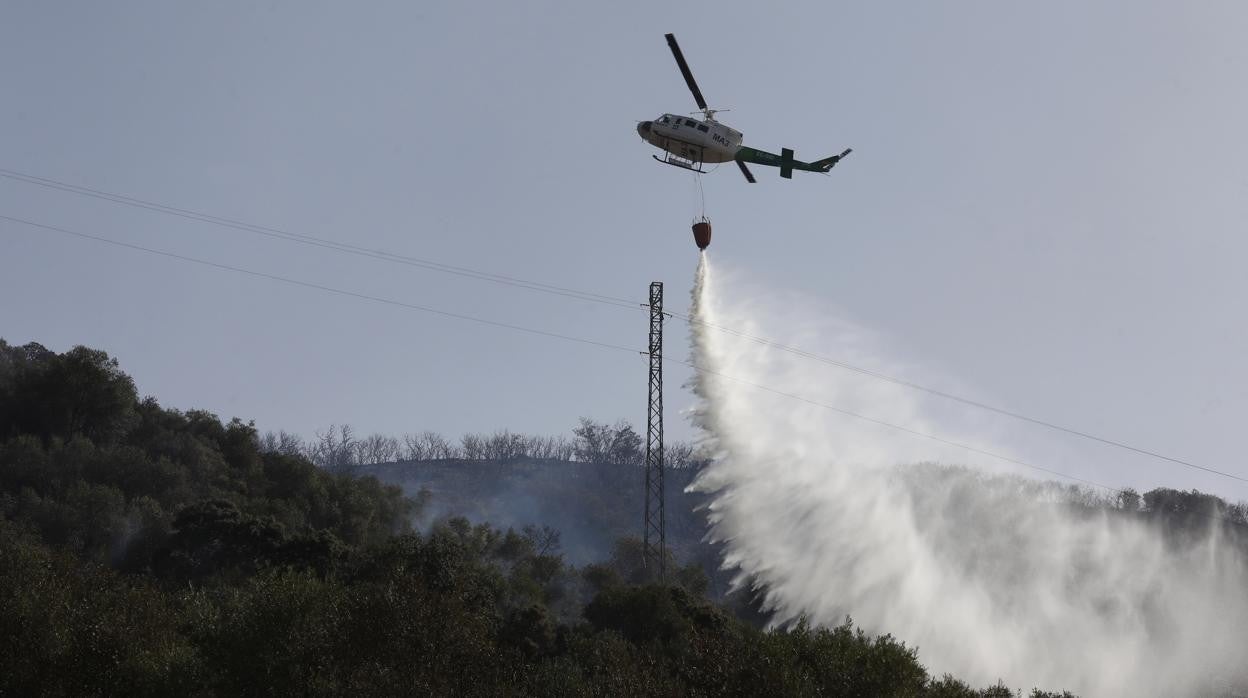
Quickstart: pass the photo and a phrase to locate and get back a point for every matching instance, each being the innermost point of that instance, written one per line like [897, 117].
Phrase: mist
[990, 574]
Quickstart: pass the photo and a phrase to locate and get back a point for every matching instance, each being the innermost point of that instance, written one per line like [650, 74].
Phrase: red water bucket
[702, 233]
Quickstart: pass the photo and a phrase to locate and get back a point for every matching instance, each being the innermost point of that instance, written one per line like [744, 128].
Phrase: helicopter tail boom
[785, 160]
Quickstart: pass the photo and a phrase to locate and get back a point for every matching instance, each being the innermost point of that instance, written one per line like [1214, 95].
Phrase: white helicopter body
[689, 143]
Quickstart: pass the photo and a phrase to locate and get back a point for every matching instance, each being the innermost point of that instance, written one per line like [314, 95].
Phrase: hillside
[150, 551]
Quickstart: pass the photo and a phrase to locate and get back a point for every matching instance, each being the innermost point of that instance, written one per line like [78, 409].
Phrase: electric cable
[956, 398]
[556, 335]
[320, 287]
[313, 241]
[584, 296]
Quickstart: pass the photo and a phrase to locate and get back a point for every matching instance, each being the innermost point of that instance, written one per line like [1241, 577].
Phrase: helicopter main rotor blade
[684, 70]
[749, 176]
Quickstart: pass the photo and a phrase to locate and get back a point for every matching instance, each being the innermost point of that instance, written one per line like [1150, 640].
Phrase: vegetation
[149, 551]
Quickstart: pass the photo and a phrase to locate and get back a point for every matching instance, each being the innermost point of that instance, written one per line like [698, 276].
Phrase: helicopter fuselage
[689, 143]
[695, 140]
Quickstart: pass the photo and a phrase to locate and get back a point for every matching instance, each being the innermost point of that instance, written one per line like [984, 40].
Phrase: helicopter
[691, 143]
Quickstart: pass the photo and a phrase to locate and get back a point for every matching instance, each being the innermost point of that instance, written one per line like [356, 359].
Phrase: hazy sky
[1045, 205]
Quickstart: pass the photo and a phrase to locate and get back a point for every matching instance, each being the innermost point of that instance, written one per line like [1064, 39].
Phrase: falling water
[992, 576]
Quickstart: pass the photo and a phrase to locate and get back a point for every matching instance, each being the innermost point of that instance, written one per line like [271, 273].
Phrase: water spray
[991, 576]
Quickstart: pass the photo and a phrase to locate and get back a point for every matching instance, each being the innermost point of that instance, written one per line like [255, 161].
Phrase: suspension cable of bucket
[701, 224]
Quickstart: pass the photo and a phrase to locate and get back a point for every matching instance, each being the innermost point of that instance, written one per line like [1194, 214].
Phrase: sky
[1044, 208]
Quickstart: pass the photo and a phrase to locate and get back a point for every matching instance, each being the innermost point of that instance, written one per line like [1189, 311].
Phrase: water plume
[992, 576]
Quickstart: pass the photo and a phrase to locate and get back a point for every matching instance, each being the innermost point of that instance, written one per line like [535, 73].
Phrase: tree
[214, 537]
[1129, 500]
[530, 630]
[282, 442]
[505, 445]
[473, 447]
[427, 445]
[82, 392]
[599, 443]
[335, 450]
[377, 448]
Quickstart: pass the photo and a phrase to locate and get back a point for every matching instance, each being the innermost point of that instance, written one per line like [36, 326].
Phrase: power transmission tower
[655, 537]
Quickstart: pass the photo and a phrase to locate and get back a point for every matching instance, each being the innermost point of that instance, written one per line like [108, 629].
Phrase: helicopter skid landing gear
[682, 154]
[682, 162]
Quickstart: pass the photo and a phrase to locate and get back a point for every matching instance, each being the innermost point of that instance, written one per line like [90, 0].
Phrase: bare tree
[504, 445]
[599, 443]
[339, 450]
[625, 445]
[473, 446]
[561, 449]
[377, 448]
[592, 441]
[289, 444]
[267, 442]
[537, 447]
[427, 445]
[414, 448]
[335, 450]
[549, 448]
[284, 443]
[678, 454]
[436, 447]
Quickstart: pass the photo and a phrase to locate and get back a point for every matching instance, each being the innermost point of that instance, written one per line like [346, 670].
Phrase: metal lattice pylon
[654, 538]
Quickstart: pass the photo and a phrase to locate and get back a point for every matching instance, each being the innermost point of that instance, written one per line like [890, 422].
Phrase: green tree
[82, 392]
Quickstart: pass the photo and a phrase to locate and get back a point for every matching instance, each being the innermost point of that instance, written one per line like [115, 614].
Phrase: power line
[319, 287]
[615, 301]
[907, 430]
[569, 338]
[956, 398]
[933, 437]
[312, 241]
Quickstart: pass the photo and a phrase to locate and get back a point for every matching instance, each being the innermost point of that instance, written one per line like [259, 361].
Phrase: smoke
[991, 576]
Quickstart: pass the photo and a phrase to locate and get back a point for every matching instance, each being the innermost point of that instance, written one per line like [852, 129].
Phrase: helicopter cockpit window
[689, 122]
[664, 120]
[703, 128]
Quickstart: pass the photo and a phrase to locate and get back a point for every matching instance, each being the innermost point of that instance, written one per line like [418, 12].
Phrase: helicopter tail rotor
[828, 163]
